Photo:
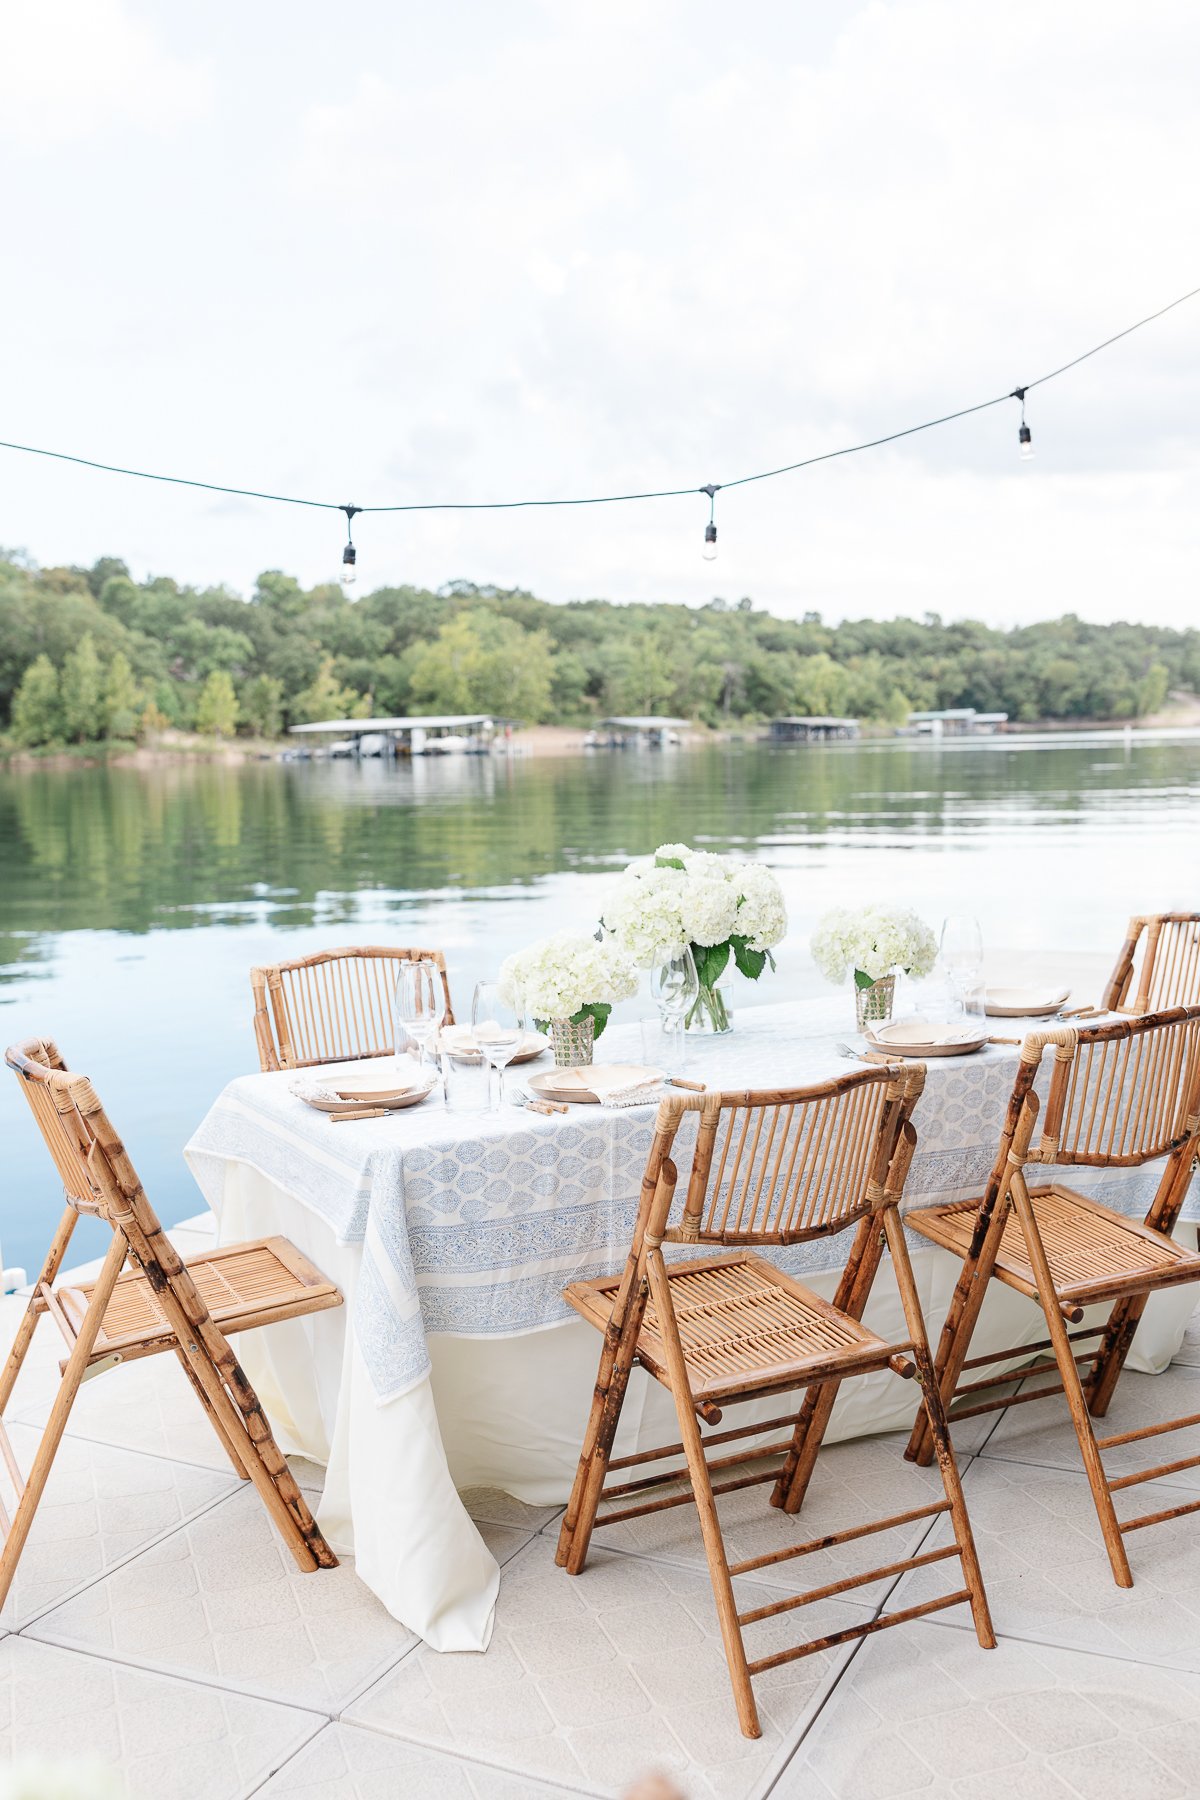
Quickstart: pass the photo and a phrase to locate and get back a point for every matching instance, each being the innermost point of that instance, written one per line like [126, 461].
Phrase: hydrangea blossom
[873, 942]
[711, 902]
[566, 974]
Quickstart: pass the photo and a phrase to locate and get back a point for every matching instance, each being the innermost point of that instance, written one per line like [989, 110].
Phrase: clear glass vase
[710, 1011]
[572, 1044]
[873, 1004]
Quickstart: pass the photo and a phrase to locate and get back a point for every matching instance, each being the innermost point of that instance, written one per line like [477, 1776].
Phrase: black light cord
[709, 488]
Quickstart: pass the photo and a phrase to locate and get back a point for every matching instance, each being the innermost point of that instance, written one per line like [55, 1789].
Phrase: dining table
[455, 1362]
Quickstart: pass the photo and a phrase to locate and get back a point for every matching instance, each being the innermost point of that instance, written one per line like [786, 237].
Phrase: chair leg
[812, 1422]
[1113, 1349]
[1114, 1542]
[608, 1398]
[233, 1403]
[955, 1342]
[60, 1412]
[227, 1443]
[939, 1431]
[706, 1506]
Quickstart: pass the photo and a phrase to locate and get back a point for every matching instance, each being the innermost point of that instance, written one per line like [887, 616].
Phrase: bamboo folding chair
[1169, 973]
[333, 1006]
[769, 1168]
[159, 1304]
[1120, 1096]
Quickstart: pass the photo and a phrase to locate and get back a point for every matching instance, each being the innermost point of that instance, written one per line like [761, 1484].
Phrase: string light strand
[710, 489]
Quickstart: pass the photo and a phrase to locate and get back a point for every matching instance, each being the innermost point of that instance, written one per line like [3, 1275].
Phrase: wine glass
[962, 959]
[417, 1006]
[674, 986]
[498, 1027]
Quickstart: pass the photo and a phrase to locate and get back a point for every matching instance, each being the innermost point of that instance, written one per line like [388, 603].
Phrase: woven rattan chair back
[1119, 1096]
[159, 1304]
[767, 1168]
[783, 1169]
[1159, 965]
[333, 1006]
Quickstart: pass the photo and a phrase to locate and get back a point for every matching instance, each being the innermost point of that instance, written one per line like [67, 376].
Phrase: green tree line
[90, 654]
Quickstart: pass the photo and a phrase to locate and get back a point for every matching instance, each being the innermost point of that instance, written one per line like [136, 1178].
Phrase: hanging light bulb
[349, 554]
[1024, 435]
[709, 552]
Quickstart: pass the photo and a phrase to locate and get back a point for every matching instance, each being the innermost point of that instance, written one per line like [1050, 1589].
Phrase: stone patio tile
[146, 1405]
[494, 1507]
[854, 1482]
[591, 1681]
[348, 1763]
[925, 1711]
[170, 1740]
[1043, 1433]
[1047, 1573]
[222, 1600]
[100, 1506]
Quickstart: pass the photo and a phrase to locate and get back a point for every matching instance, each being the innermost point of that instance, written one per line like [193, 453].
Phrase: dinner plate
[572, 1084]
[391, 1082]
[1023, 1002]
[913, 1037]
[460, 1041]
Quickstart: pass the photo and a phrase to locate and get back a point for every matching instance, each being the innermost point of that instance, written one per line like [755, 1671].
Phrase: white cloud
[488, 252]
[77, 68]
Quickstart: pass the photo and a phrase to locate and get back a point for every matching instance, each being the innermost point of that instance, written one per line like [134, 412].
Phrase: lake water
[133, 902]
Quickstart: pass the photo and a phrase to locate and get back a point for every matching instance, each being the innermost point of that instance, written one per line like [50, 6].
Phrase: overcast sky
[395, 251]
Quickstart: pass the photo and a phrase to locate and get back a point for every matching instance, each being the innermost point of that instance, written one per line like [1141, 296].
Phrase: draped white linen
[455, 1362]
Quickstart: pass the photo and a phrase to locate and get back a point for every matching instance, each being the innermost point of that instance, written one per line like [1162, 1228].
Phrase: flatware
[697, 1087]
[360, 1112]
[867, 1056]
[521, 1097]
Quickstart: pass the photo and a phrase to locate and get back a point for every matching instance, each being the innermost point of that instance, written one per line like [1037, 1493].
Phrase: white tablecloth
[455, 1360]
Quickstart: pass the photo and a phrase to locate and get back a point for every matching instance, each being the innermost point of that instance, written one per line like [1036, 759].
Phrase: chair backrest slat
[1159, 965]
[1122, 1095]
[333, 1006]
[782, 1167]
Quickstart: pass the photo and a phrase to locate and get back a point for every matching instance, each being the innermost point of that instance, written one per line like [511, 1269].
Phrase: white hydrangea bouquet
[568, 985]
[875, 942]
[717, 905]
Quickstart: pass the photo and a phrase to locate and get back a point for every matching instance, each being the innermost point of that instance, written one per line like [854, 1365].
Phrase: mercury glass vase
[572, 1044]
[873, 1004]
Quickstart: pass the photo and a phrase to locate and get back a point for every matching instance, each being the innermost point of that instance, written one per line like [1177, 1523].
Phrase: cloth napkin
[620, 1084]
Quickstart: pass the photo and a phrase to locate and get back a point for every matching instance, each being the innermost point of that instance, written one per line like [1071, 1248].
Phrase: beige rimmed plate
[460, 1041]
[1023, 1003]
[913, 1037]
[391, 1082]
[572, 1084]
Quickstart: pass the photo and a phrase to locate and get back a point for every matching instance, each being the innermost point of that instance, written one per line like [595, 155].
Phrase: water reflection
[1052, 842]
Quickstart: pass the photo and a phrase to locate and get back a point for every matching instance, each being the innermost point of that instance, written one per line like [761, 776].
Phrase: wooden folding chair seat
[333, 1006]
[1119, 1096]
[159, 1303]
[768, 1169]
[1168, 973]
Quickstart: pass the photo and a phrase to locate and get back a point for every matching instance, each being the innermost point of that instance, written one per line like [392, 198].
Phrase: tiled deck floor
[158, 1623]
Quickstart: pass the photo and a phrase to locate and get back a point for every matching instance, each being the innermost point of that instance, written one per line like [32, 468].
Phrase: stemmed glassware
[418, 1005]
[962, 960]
[498, 1028]
[674, 986]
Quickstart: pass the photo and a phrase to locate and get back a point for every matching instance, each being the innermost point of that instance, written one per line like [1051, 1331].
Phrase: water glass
[674, 986]
[466, 1081]
[497, 1027]
[418, 1008]
[962, 961]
